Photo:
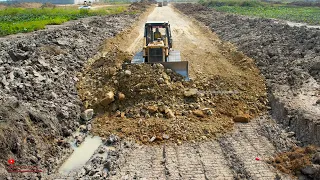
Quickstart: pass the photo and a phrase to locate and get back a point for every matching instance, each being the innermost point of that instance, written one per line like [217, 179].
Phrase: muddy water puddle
[81, 154]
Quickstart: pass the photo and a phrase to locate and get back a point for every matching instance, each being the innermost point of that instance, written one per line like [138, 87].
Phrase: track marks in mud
[229, 157]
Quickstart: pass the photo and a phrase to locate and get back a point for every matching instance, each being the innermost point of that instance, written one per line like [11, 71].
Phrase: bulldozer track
[230, 157]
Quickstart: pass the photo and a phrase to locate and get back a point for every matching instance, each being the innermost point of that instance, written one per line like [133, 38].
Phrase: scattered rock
[290, 134]
[204, 137]
[165, 136]
[127, 72]
[79, 140]
[152, 109]
[310, 169]
[152, 139]
[190, 92]
[109, 98]
[245, 118]
[316, 158]
[101, 150]
[161, 81]
[107, 165]
[198, 113]
[87, 114]
[82, 128]
[121, 96]
[112, 139]
[169, 113]
[66, 132]
[53, 95]
[89, 127]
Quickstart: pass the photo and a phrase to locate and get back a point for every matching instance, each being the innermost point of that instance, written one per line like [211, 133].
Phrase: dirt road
[197, 45]
[232, 156]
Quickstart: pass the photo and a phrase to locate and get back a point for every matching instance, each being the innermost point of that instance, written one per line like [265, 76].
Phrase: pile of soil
[302, 162]
[152, 104]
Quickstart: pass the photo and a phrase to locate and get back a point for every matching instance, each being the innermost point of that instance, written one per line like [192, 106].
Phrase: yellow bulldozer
[157, 48]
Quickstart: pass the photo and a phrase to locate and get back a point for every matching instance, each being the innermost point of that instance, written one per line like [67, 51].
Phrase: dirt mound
[150, 103]
[302, 162]
[139, 6]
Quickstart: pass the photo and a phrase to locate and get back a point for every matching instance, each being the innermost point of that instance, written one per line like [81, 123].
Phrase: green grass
[309, 15]
[17, 20]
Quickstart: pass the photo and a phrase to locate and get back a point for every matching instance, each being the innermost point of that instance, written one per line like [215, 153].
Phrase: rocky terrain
[40, 106]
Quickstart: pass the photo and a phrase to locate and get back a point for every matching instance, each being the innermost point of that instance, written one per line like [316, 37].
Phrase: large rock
[316, 158]
[109, 98]
[198, 113]
[169, 113]
[87, 114]
[190, 92]
[121, 96]
[152, 109]
[310, 169]
[244, 118]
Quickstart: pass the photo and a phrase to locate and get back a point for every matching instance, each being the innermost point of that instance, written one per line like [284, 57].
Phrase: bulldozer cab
[157, 48]
[151, 27]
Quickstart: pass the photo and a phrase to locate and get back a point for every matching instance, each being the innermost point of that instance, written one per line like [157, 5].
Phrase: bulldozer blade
[180, 67]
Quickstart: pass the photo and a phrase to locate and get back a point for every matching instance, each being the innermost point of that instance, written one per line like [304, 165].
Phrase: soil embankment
[40, 106]
[288, 57]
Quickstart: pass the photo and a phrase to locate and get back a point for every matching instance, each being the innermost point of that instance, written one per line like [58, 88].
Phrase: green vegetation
[16, 20]
[310, 15]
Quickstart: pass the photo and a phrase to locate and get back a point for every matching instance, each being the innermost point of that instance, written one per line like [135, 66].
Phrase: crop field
[309, 15]
[19, 20]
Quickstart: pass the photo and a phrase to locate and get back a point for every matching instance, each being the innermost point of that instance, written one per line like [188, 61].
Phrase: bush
[84, 12]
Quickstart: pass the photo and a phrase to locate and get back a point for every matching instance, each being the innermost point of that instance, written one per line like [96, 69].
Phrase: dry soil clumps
[152, 104]
[302, 162]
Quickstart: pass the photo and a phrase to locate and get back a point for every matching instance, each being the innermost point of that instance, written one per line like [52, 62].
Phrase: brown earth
[225, 85]
[292, 162]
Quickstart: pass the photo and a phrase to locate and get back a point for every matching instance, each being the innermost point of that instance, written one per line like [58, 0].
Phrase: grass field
[309, 15]
[17, 20]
